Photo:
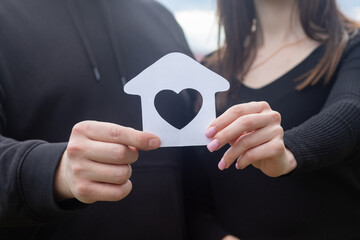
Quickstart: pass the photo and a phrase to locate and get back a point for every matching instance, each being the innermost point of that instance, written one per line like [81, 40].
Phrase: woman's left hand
[256, 137]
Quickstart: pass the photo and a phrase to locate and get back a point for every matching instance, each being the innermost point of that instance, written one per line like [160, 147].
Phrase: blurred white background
[197, 17]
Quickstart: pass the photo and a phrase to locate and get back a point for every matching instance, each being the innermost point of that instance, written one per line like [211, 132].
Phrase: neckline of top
[289, 72]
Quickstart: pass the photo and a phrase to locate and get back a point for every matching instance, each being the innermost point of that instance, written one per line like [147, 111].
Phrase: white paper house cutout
[177, 72]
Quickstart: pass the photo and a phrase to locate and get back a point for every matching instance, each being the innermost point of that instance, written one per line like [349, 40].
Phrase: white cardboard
[177, 72]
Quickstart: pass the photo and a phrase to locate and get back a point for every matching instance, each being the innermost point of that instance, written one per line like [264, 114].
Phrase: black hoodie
[64, 61]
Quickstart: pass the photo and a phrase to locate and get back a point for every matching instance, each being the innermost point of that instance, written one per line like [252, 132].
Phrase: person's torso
[299, 206]
[47, 75]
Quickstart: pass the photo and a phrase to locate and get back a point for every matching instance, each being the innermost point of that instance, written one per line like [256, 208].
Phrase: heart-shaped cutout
[178, 109]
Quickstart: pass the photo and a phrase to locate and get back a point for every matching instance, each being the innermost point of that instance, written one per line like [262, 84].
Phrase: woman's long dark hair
[321, 20]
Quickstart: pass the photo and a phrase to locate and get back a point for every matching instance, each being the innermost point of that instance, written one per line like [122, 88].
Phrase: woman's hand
[256, 137]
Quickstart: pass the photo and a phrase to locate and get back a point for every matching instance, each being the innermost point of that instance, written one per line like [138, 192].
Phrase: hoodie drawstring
[90, 54]
[74, 12]
[115, 47]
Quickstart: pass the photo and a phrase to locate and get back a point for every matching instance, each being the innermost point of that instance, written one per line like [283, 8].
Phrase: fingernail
[237, 166]
[213, 145]
[222, 164]
[210, 133]
[154, 143]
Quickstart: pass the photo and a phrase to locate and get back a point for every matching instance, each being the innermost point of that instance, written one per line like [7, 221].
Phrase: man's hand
[96, 163]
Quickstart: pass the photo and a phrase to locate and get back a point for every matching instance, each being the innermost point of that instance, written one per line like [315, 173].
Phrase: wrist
[61, 190]
[291, 163]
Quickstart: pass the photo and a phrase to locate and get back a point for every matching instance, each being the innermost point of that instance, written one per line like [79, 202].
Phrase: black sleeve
[200, 215]
[27, 172]
[333, 135]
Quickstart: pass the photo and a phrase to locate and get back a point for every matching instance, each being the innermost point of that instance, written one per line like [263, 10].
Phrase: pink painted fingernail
[222, 164]
[210, 133]
[213, 145]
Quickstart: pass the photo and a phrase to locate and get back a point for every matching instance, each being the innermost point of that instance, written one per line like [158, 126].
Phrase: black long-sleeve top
[321, 198]
[62, 62]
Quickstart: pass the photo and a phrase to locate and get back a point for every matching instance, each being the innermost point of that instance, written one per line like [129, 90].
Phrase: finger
[90, 192]
[104, 152]
[232, 142]
[242, 125]
[111, 153]
[109, 132]
[105, 173]
[249, 141]
[266, 151]
[233, 113]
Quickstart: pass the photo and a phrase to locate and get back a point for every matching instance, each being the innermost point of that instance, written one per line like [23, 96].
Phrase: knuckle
[276, 116]
[77, 170]
[77, 128]
[237, 110]
[278, 147]
[223, 137]
[115, 133]
[264, 105]
[83, 190]
[244, 143]
[81, 127]
[74, 149]
[138, 139]
[247, 122]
